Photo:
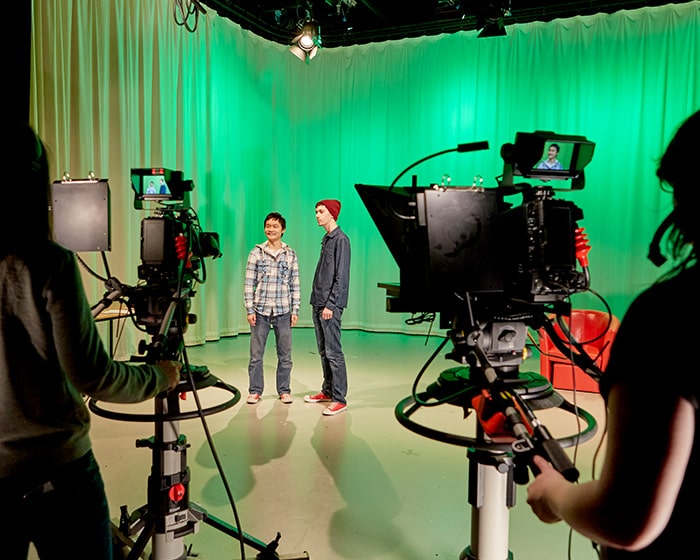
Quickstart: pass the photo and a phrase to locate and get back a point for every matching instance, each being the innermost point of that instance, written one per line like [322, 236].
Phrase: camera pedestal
[168, 516]
[493, 467]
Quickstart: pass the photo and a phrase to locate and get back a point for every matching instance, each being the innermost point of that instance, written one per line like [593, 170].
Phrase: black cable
[466, 147]
[212, 448]
[181, 321]
[573, 348]
[414, 389]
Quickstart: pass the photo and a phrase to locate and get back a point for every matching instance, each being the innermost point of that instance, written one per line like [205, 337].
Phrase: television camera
[479, 260]
[491, 269]
[173, 252]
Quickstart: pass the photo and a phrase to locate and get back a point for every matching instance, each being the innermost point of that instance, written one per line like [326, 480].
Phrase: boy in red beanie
[329, 297]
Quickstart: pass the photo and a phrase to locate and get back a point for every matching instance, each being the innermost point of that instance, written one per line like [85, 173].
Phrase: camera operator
[51, 355]
[644, 504]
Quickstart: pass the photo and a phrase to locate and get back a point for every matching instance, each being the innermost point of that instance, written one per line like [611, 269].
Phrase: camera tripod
[497, 465]
[169, 516]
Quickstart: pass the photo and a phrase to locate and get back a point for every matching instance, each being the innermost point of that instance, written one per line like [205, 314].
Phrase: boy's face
[323, 216]
[273, 230]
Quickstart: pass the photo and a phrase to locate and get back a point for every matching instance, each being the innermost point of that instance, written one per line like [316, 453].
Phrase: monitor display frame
[159, 184]
[531, 151]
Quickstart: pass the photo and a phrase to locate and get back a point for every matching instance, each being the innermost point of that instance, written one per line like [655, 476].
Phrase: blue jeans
[282, 325]
[335, 374]
[65, 516]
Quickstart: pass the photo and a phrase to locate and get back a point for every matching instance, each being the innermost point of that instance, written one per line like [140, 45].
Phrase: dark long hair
[678, 169]
[25, 190]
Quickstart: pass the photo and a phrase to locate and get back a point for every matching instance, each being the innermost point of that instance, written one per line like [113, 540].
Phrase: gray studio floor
[354, 486]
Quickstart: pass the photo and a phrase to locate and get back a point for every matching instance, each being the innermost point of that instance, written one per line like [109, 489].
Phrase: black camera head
[458, 246]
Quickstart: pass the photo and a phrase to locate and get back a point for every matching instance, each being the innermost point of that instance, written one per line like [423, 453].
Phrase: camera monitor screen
[157, 183]
[545, 155]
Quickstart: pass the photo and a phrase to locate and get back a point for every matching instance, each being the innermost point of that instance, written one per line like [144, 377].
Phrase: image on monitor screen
[556, 156]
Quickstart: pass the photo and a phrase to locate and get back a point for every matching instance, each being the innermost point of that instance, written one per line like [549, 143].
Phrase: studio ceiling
[351, 22]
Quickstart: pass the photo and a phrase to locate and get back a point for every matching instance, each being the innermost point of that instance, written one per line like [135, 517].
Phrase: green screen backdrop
[117, 84]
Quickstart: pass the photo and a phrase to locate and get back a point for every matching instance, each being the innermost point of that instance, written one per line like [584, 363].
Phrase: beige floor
[355, 486]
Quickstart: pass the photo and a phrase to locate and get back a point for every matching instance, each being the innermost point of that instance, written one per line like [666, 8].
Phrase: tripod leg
[135, 548]
[266, 551]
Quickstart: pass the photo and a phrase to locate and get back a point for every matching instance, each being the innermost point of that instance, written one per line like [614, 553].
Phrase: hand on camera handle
[551, 449]
[172, 370]
[541, 444]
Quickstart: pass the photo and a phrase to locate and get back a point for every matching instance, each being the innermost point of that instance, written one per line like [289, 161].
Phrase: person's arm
[250, 285]
[295, 288]
[649, 443]
[341, 278]
[80, 351]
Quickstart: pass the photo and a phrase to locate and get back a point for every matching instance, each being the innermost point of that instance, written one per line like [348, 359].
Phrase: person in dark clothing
[51, 357]
[329, 297]
[644, 504]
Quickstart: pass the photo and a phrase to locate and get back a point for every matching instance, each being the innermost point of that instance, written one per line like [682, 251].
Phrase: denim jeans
[335, 375]
[282, 325]
[66, 516]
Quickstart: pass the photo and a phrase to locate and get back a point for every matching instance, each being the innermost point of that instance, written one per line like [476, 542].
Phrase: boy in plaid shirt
[272, 297]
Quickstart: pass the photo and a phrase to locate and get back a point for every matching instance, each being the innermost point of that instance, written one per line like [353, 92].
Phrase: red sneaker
[320, 397]
[334, 408]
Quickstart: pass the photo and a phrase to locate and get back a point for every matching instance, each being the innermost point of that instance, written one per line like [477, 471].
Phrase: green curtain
[117, 84]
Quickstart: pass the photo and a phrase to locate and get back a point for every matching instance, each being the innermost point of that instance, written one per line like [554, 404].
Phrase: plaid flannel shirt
[272, 281]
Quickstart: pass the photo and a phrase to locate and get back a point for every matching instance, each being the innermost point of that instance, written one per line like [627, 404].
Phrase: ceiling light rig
[489, 18]
[305, 45]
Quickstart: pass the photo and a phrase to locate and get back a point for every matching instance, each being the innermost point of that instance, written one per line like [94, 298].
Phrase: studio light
[493, 28]
[306, 44]
[489, 18]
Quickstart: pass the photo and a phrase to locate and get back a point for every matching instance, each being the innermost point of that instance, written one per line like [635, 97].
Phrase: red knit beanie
[332, 205]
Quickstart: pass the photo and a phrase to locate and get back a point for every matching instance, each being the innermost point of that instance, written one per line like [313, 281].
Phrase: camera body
[538, 244]
[173, 249]
[170, 238]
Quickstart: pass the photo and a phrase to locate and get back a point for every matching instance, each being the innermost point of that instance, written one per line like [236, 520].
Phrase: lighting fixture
[306, 44]
[489, 18]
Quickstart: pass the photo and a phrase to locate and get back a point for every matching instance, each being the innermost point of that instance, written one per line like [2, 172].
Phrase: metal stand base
[169, 516]
[197, 514]
[249, 540]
